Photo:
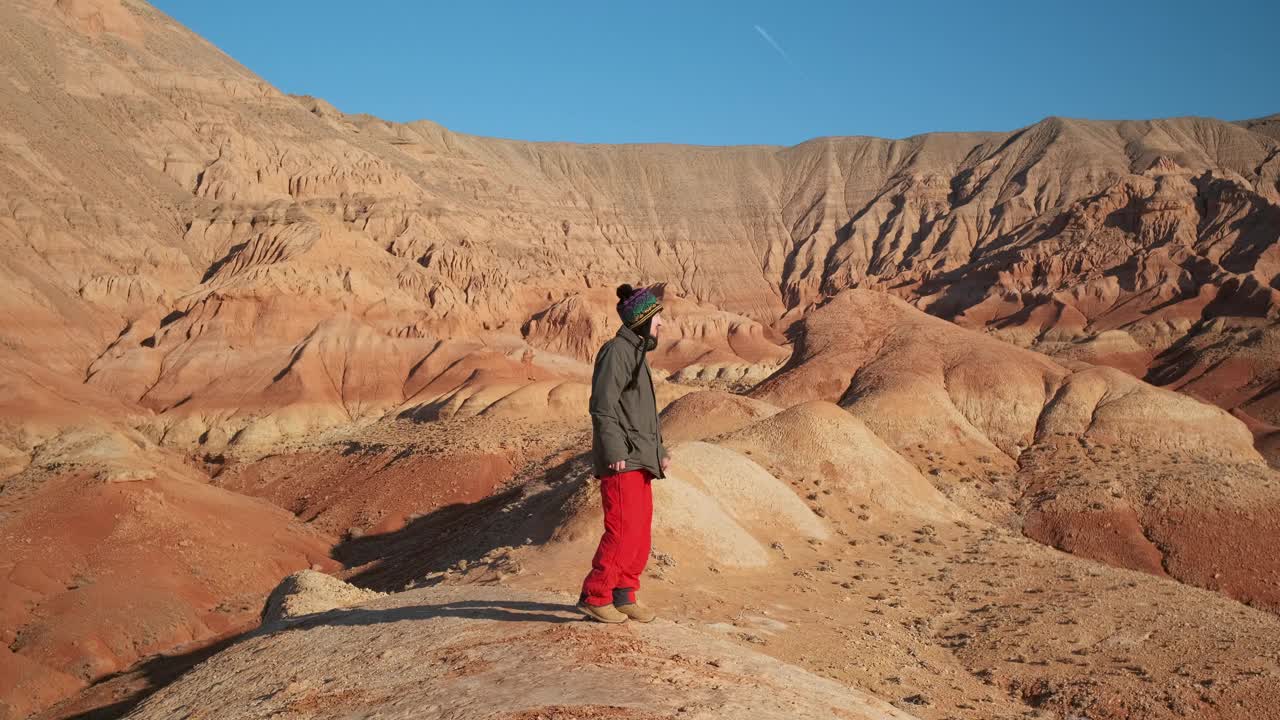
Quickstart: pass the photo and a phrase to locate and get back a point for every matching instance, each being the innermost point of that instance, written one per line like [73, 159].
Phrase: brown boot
[602, 613]
[636, 612]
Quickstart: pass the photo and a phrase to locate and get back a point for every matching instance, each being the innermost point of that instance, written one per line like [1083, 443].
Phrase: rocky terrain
[798, 534]
[507, 654]
[245, 334]
[1085, 458]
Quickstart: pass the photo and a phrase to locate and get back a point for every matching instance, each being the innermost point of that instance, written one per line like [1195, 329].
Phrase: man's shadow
[500, 610]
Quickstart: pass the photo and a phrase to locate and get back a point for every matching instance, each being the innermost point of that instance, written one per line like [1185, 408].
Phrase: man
[626, 448]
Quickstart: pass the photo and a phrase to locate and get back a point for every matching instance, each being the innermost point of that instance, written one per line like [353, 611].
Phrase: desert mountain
[189, 240]
[1084, 457]
[243, 333]
[1269, 125]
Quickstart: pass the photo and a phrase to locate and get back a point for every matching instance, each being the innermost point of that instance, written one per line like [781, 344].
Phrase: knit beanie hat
[635, 307]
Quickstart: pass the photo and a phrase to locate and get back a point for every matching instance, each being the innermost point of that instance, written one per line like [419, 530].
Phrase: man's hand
[618, 466]
[666, 462]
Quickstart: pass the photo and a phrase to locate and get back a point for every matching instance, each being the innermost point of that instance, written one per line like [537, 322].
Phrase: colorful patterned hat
[637, 306]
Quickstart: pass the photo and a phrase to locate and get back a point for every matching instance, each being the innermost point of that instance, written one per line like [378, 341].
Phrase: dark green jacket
[624, 411]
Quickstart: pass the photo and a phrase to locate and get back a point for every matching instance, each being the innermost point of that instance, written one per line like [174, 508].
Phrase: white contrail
[769, 39]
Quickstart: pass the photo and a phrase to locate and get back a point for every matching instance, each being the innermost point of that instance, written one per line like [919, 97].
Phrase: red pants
[624, 547]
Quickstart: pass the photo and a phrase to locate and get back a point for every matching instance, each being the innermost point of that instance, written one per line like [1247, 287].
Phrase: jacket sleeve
[662, 447]
[607, 382]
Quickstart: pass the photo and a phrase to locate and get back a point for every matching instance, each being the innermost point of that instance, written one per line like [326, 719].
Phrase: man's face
[655, 327]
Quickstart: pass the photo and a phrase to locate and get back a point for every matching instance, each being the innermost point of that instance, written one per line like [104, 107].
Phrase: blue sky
[721, 73]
